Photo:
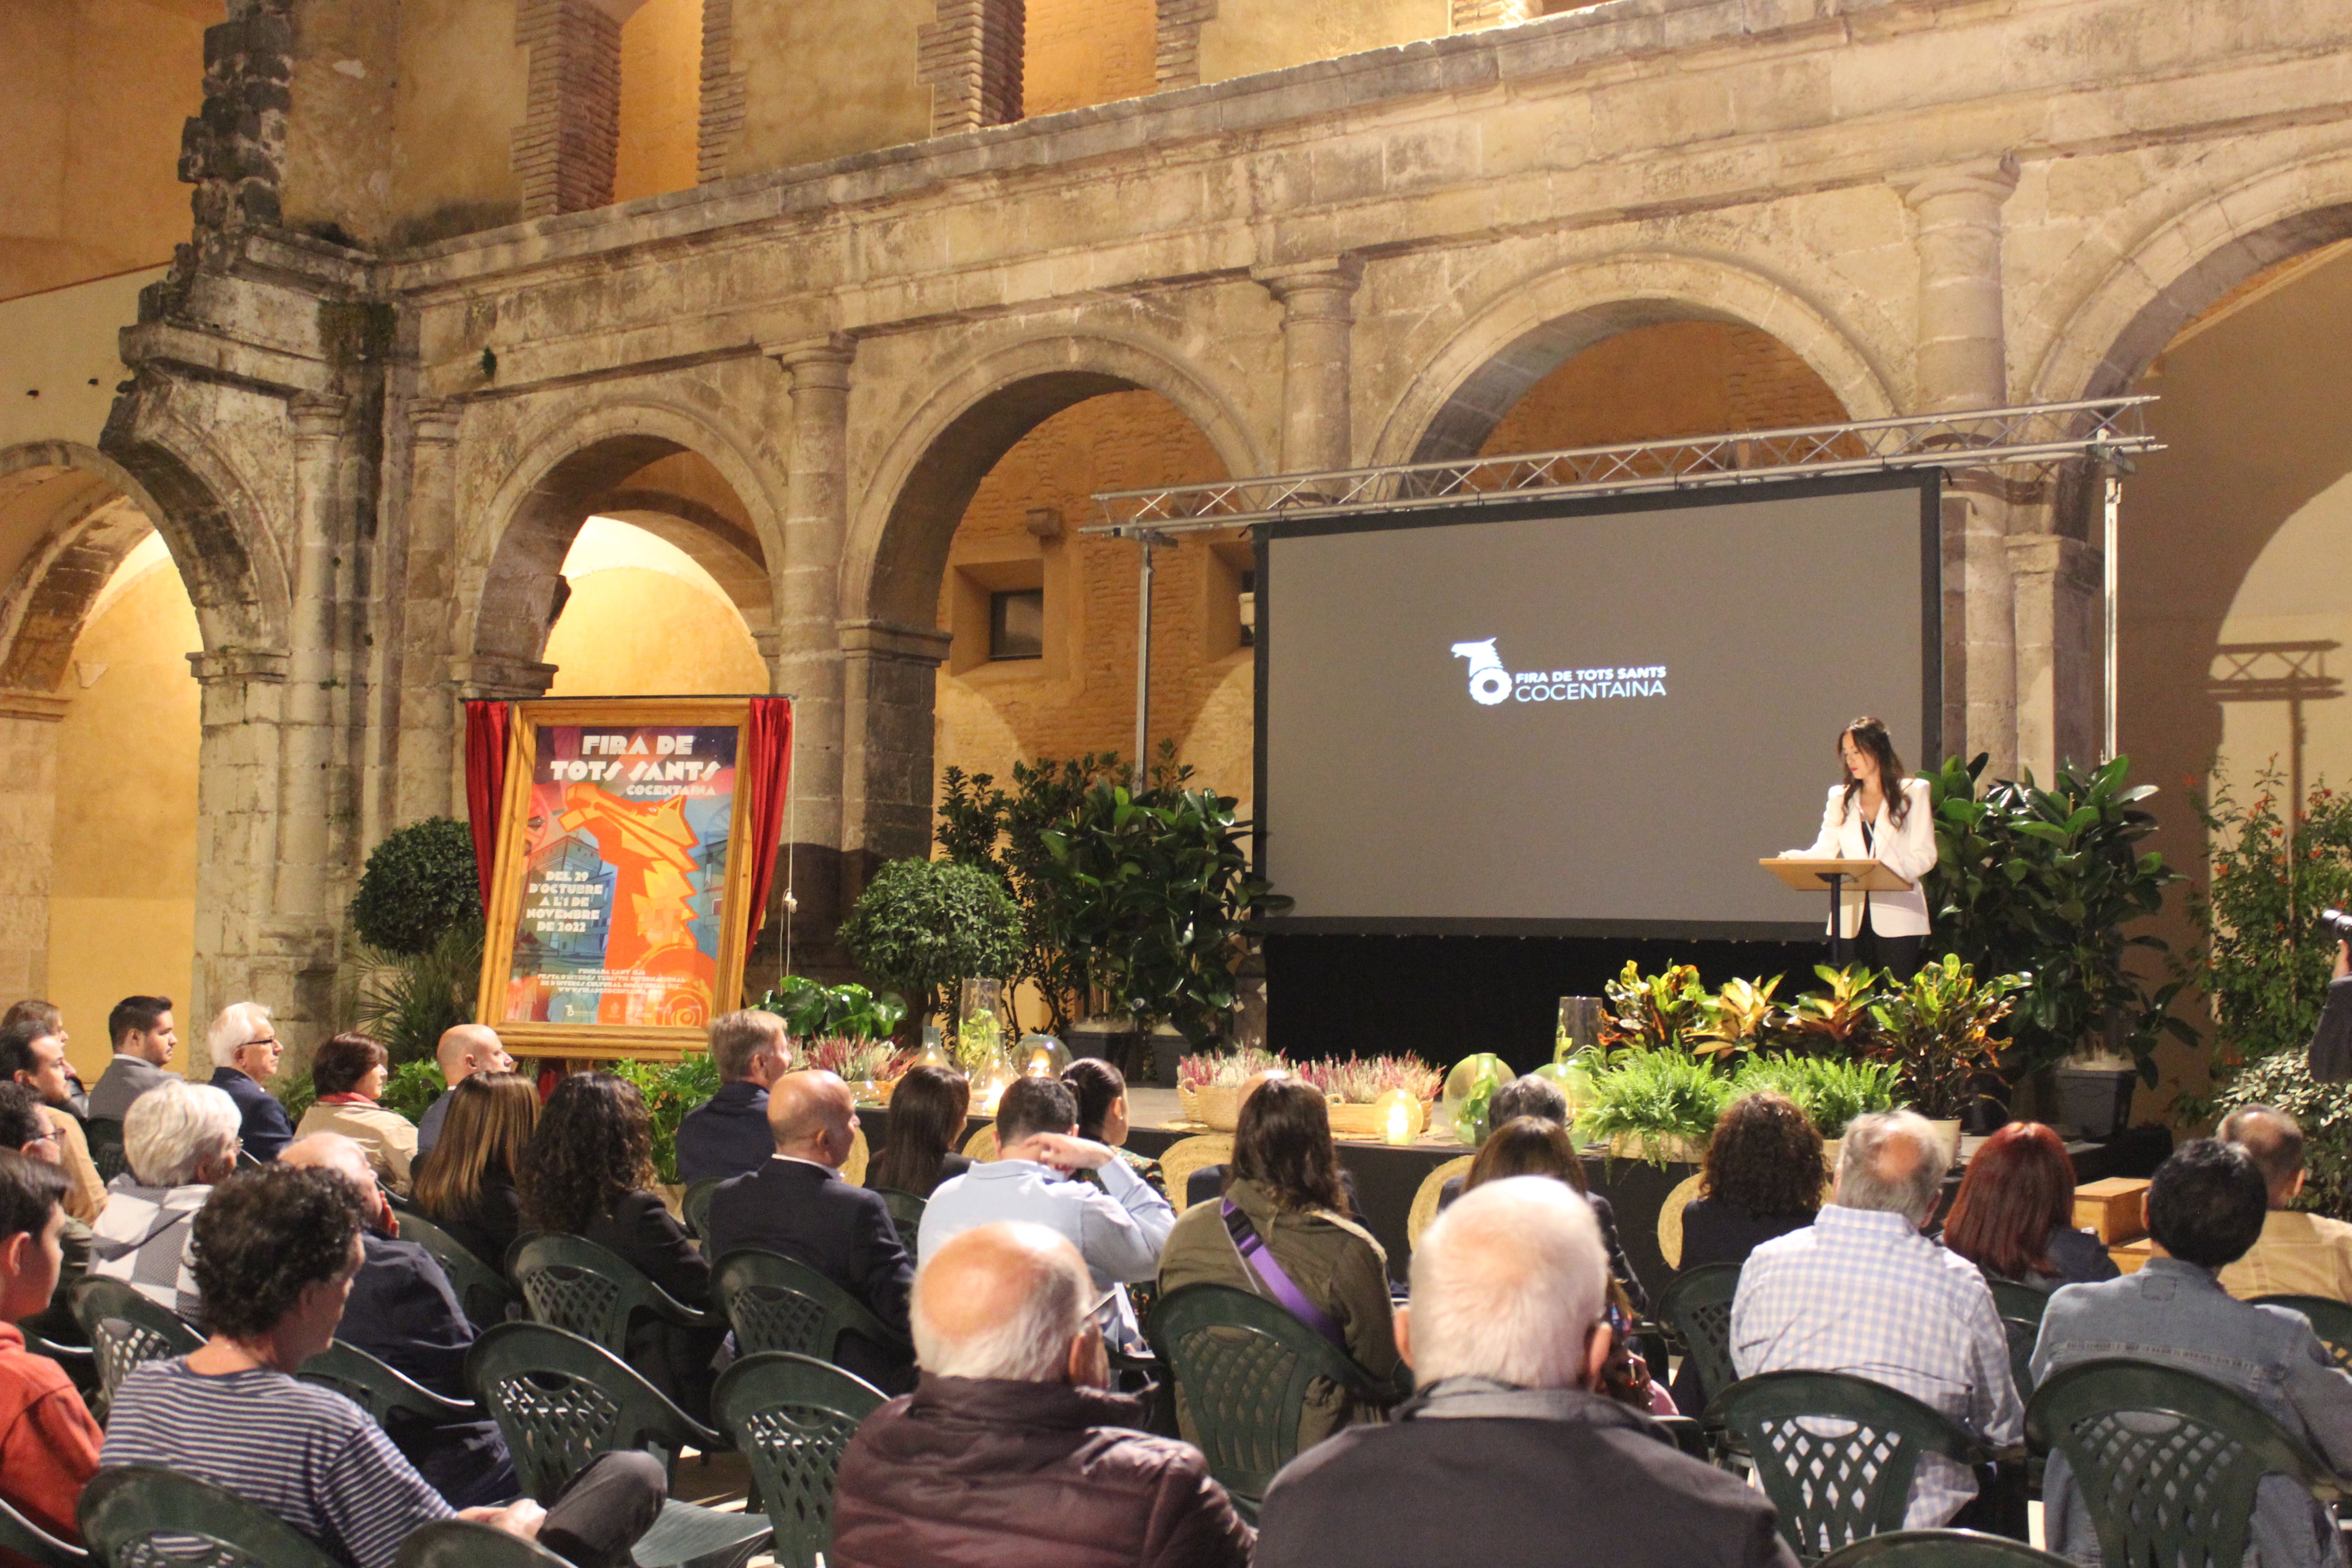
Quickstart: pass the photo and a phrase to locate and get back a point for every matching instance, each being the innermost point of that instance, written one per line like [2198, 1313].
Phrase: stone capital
[319, 415]
[432, 421]
[233, 665]
[1989, 180]
[891, 640]
[40, 707]
[820, 362]
[1309, 290]
[500, 679]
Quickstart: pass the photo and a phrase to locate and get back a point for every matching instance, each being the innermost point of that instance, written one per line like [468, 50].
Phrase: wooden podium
[1808, 875]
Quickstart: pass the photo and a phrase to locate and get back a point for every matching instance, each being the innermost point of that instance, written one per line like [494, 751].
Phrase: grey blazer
[124, 1080]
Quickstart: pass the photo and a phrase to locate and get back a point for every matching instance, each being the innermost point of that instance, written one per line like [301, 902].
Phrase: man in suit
[403, 1312]
[464, 1049]
[797, 1203]
[727, 1134]
[244, 1043]
[145, 1039]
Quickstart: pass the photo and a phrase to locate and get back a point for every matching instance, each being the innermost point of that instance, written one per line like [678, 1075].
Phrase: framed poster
[619, 900]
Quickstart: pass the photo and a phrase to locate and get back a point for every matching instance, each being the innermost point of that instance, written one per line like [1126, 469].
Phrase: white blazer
[1908, 851]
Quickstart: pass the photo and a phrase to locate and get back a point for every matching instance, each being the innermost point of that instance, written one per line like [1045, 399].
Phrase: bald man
[797, 1205]
[2299, 1254]
[464, 1050]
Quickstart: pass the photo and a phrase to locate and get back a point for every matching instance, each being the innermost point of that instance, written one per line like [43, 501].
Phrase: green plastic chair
[483, 1293]
[1941, 1549]
[1244, 1364]
[778, 1303]
[1833, 1490]
[2331, 1320]
[561, 1400]
[2023, 1302]
[2167, 1462]
[104, 1135]
[906, 1215]
[129, 1512]
[695, 1206]
[457, 1543]
[1697, 1308]
[791, 1416]
[380, 1388]
[36, 1546]
[126, 1329]
[578, 1286]
[2022, 1337]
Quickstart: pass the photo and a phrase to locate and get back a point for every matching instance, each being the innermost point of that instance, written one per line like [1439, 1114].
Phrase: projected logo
[1492, 683]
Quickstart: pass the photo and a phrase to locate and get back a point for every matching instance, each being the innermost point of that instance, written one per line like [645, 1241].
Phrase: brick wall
[565, 148]
[971, 57]
[1078, 52]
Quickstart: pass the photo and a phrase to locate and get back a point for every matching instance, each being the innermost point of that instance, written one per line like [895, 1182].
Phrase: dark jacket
[2079, 1257]
[968, 1473]
[402, 1312]
[726, 1135]
[675, 1360]
[1586, 1483]
[264, 1130]
[806, 1211]
[950, 1166]
[488, 1226]
[1619, 1264]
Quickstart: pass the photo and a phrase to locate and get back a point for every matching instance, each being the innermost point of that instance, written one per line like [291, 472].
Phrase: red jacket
[968, 1473]
[48, 1444]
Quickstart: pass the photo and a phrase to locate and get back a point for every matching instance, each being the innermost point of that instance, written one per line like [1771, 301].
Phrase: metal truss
[2037, 436]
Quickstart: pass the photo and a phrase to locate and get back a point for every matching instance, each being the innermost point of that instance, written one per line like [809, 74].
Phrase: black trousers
[605, 1509]
[1897, 955]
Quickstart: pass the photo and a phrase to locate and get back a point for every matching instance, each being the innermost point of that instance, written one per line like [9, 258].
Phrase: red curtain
[486, 782]
[767, 763]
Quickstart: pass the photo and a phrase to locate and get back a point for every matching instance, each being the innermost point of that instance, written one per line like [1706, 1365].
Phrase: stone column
[428, 757]
[2061, 651]
[891, 677]
[1319, 313]
[320, 426]
[28, 805]
[238, 957]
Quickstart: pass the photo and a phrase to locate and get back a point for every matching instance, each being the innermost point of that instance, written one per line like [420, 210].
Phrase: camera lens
[2336, 924]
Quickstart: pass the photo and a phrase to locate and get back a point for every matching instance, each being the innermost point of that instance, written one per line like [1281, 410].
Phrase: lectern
[1806, 875]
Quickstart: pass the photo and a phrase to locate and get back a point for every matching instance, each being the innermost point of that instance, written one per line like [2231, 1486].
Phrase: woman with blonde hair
[466, 1185]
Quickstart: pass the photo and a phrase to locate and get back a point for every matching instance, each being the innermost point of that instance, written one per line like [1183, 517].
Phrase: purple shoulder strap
[1277, 1278]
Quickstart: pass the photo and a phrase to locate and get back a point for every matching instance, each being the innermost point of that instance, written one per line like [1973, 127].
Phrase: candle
[1396, 1119]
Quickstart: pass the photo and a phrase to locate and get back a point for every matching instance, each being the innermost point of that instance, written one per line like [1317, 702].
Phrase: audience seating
[778, 1303]
[1941, 1549]
[128, 1513]
[853, 1169]
[1186, 1155]
[791, 1416]
[981, 1145]
[1425, 1197]
[457, 1543]
[379, 1389]
[2022, 1336]
[694, 1208]
[2023, 1302]
[578, 1286]
[1243, 1365]
[561, 1400]
[1697, 1310]
[1834, 1489]
[126, 1329]
[906, 1217]
[36, 1546]
[2137, 1435]
[483, 1293]
[2331, 1320]
[104, 1136]
[1670, 1217]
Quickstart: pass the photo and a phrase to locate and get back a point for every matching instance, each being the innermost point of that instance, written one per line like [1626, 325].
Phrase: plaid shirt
[1864, 1293]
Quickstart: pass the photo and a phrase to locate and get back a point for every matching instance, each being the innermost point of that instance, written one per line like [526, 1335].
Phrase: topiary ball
[420, 883]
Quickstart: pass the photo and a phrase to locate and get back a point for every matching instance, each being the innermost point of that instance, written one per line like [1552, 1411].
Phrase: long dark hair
[2018, 1190]
[1870, 736]
[927, 1112]
[1283, 1142]
[1527, 1146]
[1765, 1159]
[593, 1146]
[486, 1133]
[1097, 1086]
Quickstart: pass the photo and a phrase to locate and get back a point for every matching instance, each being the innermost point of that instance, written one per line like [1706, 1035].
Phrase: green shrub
[1656, 1096]
[419, 883]
[813, 1010]
[296, 1092]
[408, 1000]
[2283, 1081]
[670, 1090]
[412, 1086]
[923, 927]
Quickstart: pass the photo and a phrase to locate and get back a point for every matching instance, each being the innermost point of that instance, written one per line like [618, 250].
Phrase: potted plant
[418, 916]
[1830, 1091]
[1355, 1087]
[1208, 1086]
[1659, 1106]
[923, 927]
[1938, 1031]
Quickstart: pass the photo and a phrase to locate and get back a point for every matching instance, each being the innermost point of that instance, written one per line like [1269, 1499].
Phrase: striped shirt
[142, 1238]
[303, 1453]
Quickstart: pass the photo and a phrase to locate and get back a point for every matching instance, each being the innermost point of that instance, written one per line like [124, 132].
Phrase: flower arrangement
[855, 1059]
[1226, 1071]
[1360, 1080]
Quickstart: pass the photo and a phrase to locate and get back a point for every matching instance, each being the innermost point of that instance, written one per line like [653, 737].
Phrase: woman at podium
[1878, 814]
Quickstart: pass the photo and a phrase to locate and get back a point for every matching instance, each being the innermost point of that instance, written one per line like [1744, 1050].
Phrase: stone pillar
[1318, 316]
[890, 678]
[428, 757]
[237, 958]
[2061, 651]
[28, 805]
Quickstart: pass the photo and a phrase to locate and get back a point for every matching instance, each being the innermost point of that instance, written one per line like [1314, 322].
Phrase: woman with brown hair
[349, 1071]
[1763, 1178]
[1876, 813]
[1100, 1091]
[1280, 1232]
[466, 1185]
[927, 1117]
[2014, 1215]
[1538, 1146]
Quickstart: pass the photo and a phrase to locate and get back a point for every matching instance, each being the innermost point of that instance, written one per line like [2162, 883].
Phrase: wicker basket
[1219, 1105]
[1368, 1123]
[1188, 1103]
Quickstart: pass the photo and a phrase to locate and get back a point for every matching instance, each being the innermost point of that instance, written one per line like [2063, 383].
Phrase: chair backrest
[1670, 1218]
[560, 1401]
[460, 1543]
[482, 1291]
[1698, 1308]
[126, 1329]
[1941, 1549]
[1243, 1365]
[138, 1516]
[2023, 1302]
[791, 1417]
[2331, 1320]
[104, 1135]
[2021, 1337]
[853, 1169]
[575, 1284]
[1186, 1155]
[34, 1544]
[1833, 1488]
[1425, 1197]
[778, 1303]
[906, 1215]
[2167, 1462]
[694, 1207]
[981, 1145]
[379, 1388]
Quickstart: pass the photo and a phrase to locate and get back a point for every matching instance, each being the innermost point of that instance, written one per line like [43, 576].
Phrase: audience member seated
[1764, 1175]
[1862, 1292]
[276, 1253]
[927, 1119]
[463, 1050]
[144, 1038]
[179, 1141]
[589, 1172]
[403, 1312]
[1012, 1449]
[245, 1044]
[467, 1185]
[1278, 1234]
[26, 1129]
[33, 1010]
[1526, 1095]
[2299, 1254]
[1207, 1183]
[2205, 1210]
[34, 1054]
[48, 1444]
[1119, 1228]
[727, 1135]
[2014, 1215]
[1100, 1091]
[797, 1205]
[349, 1071]
[1508, 1456]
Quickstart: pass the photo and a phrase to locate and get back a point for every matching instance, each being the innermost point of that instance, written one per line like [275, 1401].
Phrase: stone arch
[1454, 403]
[897, 551]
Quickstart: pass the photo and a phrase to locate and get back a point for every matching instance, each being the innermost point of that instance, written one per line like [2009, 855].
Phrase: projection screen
[1583, 719]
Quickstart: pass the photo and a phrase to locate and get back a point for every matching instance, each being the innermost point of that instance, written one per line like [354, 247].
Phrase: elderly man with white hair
[245, 1052]
[178, 1140]
[1509, 1455]
[1864, 1291]
[1012, 1449]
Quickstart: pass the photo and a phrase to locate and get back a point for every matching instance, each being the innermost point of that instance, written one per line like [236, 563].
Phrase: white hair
[1870, 1173]
[237, 1023]
[176, 1128]
[1031, 1343]
[1507, 1284]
